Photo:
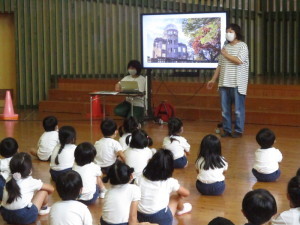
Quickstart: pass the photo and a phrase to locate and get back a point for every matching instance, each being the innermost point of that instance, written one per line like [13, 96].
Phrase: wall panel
[96, 38]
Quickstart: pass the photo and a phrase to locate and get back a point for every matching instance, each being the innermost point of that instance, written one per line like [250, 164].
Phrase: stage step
[265, 104]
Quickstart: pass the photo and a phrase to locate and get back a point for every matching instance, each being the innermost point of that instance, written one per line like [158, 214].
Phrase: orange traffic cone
[8, 113]
[96, 108]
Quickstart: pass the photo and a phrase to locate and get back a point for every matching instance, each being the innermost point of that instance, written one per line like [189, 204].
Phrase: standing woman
[134, 68]
[233, 72]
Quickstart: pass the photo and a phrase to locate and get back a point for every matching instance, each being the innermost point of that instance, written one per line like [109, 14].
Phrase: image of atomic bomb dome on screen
[182, 40]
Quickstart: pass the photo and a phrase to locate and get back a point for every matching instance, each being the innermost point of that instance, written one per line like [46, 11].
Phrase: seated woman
[124, 109]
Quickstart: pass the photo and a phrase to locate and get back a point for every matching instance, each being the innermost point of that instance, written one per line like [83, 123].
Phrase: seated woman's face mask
[132, 72]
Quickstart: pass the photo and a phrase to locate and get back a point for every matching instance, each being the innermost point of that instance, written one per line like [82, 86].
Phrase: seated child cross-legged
[130, 124]
[156, 184]
[48, 140]
[210, 166]
[90, 173]
[266, 167]
[24, 197]
[177, 144]
[62, 158]
[291, 216]
[121, 200]
[138, 154]
[108, 149]
[8, 147]
[69, 210]
[259, 206]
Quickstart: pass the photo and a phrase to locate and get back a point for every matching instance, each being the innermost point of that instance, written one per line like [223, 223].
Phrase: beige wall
[7, 54]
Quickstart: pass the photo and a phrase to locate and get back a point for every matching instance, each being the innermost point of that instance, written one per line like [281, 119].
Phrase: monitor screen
[182, 40]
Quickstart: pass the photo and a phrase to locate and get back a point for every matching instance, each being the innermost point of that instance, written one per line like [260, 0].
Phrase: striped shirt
[231, 74]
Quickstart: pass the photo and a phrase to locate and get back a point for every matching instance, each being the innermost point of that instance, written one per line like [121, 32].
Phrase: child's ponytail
[21, 167]
[66, 135]
[119, 173]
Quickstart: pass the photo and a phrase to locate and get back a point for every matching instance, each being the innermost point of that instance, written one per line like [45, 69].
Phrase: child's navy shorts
[95, 196]
[162, 217]
[180, 162]
[266, 177]
[216, 188]
[26, 215]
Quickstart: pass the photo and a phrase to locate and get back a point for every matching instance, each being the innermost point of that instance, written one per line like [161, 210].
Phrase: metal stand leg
[91, 110]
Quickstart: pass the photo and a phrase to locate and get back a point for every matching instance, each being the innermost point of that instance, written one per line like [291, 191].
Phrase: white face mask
[132, 72]
[230, 36]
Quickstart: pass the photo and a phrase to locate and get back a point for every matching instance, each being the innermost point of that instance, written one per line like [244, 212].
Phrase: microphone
[225, 43]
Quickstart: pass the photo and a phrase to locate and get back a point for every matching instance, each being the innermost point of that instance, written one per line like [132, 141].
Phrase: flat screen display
[182, 40]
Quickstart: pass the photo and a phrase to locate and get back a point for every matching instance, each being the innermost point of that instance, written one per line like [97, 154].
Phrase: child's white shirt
[177, 146]
[117, 201]
[107, 149]
[122, 141]
[4, 167]
[46, 144]
[211, 175]
[89, 174]
[289, 217]
[28, 186]
[266, 160]
[70, 213]
[138, 159]
[155, 194]
[65, 158]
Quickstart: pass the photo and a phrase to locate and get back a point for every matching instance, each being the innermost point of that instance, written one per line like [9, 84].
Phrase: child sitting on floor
[259, 206]
[24, 198]
[210, 166]
[48, 140]
[291, 216]
[8, 147]
[90, 173]
[177, 144]
[130, 124]
[69, 210]
[266, 167]
[108, 149]
[62, 158]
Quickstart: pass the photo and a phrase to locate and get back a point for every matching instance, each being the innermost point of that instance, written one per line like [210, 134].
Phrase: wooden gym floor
[238, 152]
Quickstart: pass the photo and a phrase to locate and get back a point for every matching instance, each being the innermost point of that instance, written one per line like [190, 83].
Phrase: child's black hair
[66, 135]
[130, 124]
[259, 206]
[160, 166]
[108, 127]
[139, 139]
[265, 138]
[136, 64]
[174, 126]
[210, 150]
[293, 190]
[20, 165]
[84, 153]
[118, 173]
[50, 123]
[298, 172]
[8, 147]
[220, 221]
[68, 185]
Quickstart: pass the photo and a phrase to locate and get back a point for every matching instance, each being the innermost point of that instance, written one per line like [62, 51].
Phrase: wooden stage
[238, 152]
